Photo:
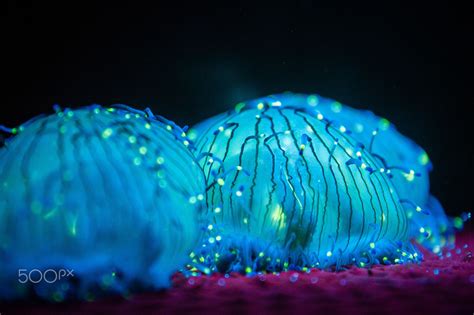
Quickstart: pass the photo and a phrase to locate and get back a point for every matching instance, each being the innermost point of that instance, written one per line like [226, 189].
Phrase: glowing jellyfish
[289, 189]
[113, 194]
[405, 163]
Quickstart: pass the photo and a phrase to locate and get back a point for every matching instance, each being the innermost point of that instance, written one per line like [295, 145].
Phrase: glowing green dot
[147, 126]
[162, 183]
[246, 221]
[372, 245]
[210, 227]
[260, 106]
[192, 200]
[239, 107]
[218, 238]
[336, 107]
[160, 160]
[169, 128]
[107, 133]
[211, 240]
[458, 222]
[329, 253]
[261, 254]
[132, 139]
[217, 210]
[423, 159]
[384, 124]
[192, 135]
[312, 100]
[14, 131]
[221, 182]
[137, 161]
[248, 270]
[143, 150]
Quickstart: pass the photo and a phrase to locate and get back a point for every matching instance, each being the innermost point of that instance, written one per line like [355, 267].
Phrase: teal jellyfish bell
[404, 161]
[288, 189]
[111, 193]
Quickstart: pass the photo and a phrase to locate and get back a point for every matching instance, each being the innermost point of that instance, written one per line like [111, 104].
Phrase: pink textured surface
[396, 289]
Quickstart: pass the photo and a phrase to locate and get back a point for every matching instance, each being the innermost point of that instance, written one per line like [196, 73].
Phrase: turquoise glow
[288, 187]
[405, 162]
[113, 194]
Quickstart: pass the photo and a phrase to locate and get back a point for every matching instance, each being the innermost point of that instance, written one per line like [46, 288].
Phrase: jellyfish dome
[405, 162]
[111, 194]
[289, 189]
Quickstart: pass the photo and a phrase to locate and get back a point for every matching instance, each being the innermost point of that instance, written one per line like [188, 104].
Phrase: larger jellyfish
[287, 188]
[405, 162]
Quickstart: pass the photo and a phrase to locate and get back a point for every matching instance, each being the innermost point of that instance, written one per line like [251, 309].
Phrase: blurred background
[410, 65]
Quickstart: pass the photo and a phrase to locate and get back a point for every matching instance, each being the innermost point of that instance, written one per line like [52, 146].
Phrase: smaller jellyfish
[111, 194]
[287, 189]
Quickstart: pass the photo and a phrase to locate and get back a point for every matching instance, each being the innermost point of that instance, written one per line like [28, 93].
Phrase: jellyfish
[289, 189]
[110, 195]
[405, 162]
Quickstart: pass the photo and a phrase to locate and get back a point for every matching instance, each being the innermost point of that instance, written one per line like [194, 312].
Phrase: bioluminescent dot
[297, 188]
[104, 192]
